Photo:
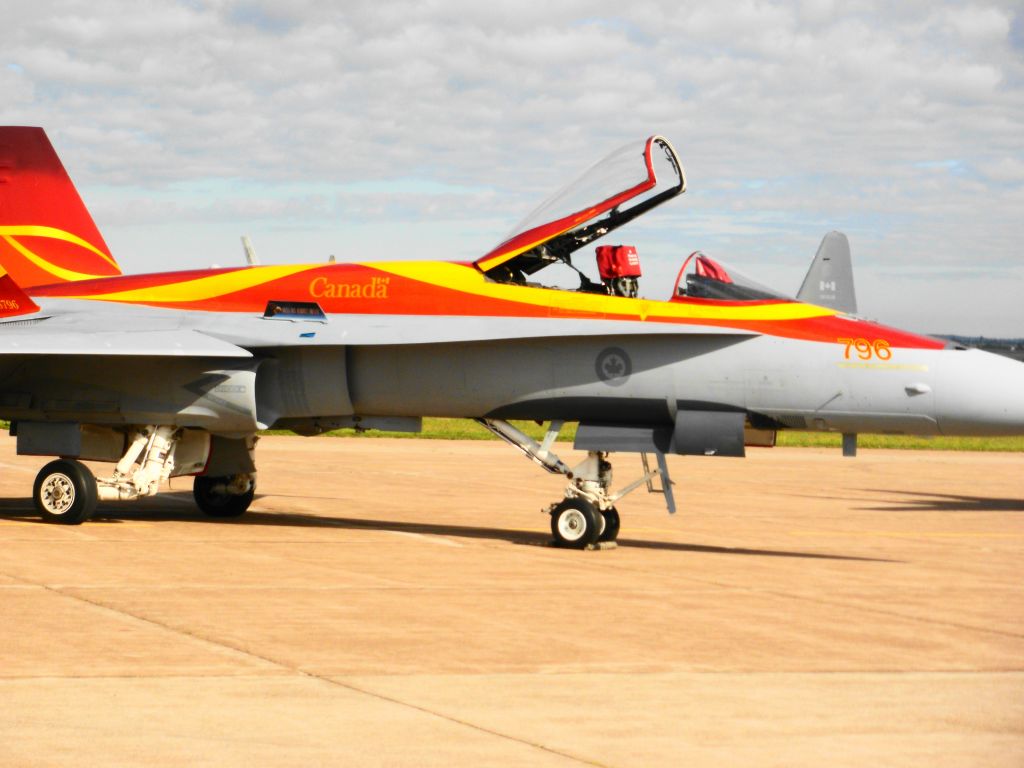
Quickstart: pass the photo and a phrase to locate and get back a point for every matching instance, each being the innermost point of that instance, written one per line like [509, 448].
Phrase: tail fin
[829, 281]
[46, 233]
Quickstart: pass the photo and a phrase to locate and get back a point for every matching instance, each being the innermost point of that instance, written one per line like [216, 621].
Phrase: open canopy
[628, 182]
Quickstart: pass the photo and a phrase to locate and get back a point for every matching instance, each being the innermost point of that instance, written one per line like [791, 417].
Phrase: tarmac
[397, 602]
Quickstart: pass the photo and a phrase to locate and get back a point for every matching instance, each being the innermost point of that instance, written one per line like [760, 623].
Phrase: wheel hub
[572, 525]
[57, 494]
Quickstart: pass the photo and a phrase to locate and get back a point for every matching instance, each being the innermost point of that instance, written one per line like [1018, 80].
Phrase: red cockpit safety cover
[617, 261]
[708, 268]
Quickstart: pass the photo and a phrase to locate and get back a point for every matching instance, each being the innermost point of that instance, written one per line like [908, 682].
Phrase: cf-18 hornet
[175, 373]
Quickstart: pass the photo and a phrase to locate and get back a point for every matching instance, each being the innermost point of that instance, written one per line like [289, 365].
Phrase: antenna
[250, 253]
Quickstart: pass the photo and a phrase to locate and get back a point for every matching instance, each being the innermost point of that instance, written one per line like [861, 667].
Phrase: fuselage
[440, 338]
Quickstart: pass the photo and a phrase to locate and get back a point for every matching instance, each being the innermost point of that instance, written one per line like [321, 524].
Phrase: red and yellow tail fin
[46, 234]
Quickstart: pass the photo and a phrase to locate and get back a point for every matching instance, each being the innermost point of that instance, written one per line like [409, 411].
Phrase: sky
[422, 130]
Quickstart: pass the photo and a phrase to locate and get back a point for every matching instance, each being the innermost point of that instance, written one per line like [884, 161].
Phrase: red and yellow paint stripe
[38, 255]
[449, 288]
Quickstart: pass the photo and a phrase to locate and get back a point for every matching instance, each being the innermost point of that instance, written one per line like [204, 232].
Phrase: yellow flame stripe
[470, 280]
[30, 230]
[67, 275]
[203, 288]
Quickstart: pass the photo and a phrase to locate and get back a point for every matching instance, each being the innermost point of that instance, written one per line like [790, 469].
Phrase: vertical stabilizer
[46, 233]
[829, 281]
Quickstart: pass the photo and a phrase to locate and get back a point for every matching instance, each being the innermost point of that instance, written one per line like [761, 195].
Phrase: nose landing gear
[586, 517]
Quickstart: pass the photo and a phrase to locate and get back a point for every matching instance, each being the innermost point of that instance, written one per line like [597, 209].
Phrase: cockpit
[701, 277]
[627, 183]
[630, 181]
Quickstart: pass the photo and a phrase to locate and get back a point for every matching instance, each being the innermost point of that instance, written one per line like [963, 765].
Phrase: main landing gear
[66, 492]
[586, 517]
[223, 496]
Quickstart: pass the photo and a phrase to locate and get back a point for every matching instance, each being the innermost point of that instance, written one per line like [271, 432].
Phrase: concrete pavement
[395, 602]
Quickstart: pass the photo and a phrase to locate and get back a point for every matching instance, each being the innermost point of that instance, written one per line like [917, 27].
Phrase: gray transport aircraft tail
[829, 281]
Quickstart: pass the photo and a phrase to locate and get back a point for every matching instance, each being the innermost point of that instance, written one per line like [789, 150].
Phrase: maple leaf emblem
[613, 366]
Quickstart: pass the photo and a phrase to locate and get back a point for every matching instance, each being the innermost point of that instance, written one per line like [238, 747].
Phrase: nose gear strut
[587, 515]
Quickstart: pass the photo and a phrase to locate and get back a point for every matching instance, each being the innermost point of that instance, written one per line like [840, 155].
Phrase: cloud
[899, 122]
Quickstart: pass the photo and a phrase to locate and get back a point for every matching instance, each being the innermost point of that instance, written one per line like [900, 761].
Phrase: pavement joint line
[883, 612]
[897, 614]
[333, 570]
[524, 590]
[232, 545]
[451, 718]
[217, 542]
[302, 672]
[107, 676]
[913, 534]
[70, 595]
[608, 565]
[336, 679]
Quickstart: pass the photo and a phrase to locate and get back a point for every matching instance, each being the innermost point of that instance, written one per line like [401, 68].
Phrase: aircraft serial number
[866, 350]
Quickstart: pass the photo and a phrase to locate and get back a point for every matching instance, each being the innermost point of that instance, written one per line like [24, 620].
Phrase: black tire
[65, 492]
[220, 503]
[575, 524]
[611, 525]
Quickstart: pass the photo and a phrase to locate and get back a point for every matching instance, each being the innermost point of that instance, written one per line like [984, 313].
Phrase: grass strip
[464, 429]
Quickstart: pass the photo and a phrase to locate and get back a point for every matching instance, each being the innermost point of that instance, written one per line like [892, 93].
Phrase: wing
[30, 339]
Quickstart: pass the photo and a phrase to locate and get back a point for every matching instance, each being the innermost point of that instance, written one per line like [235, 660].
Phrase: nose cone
[979, 393]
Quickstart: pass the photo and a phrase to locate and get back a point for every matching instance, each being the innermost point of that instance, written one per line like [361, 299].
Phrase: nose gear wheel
[575, 523]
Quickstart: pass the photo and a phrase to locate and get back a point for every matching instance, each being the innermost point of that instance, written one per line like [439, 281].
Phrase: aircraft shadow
[702, 548]
[177, 506]
[944, 502]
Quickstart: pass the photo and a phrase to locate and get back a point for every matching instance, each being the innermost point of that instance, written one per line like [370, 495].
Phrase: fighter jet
[175, 373]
